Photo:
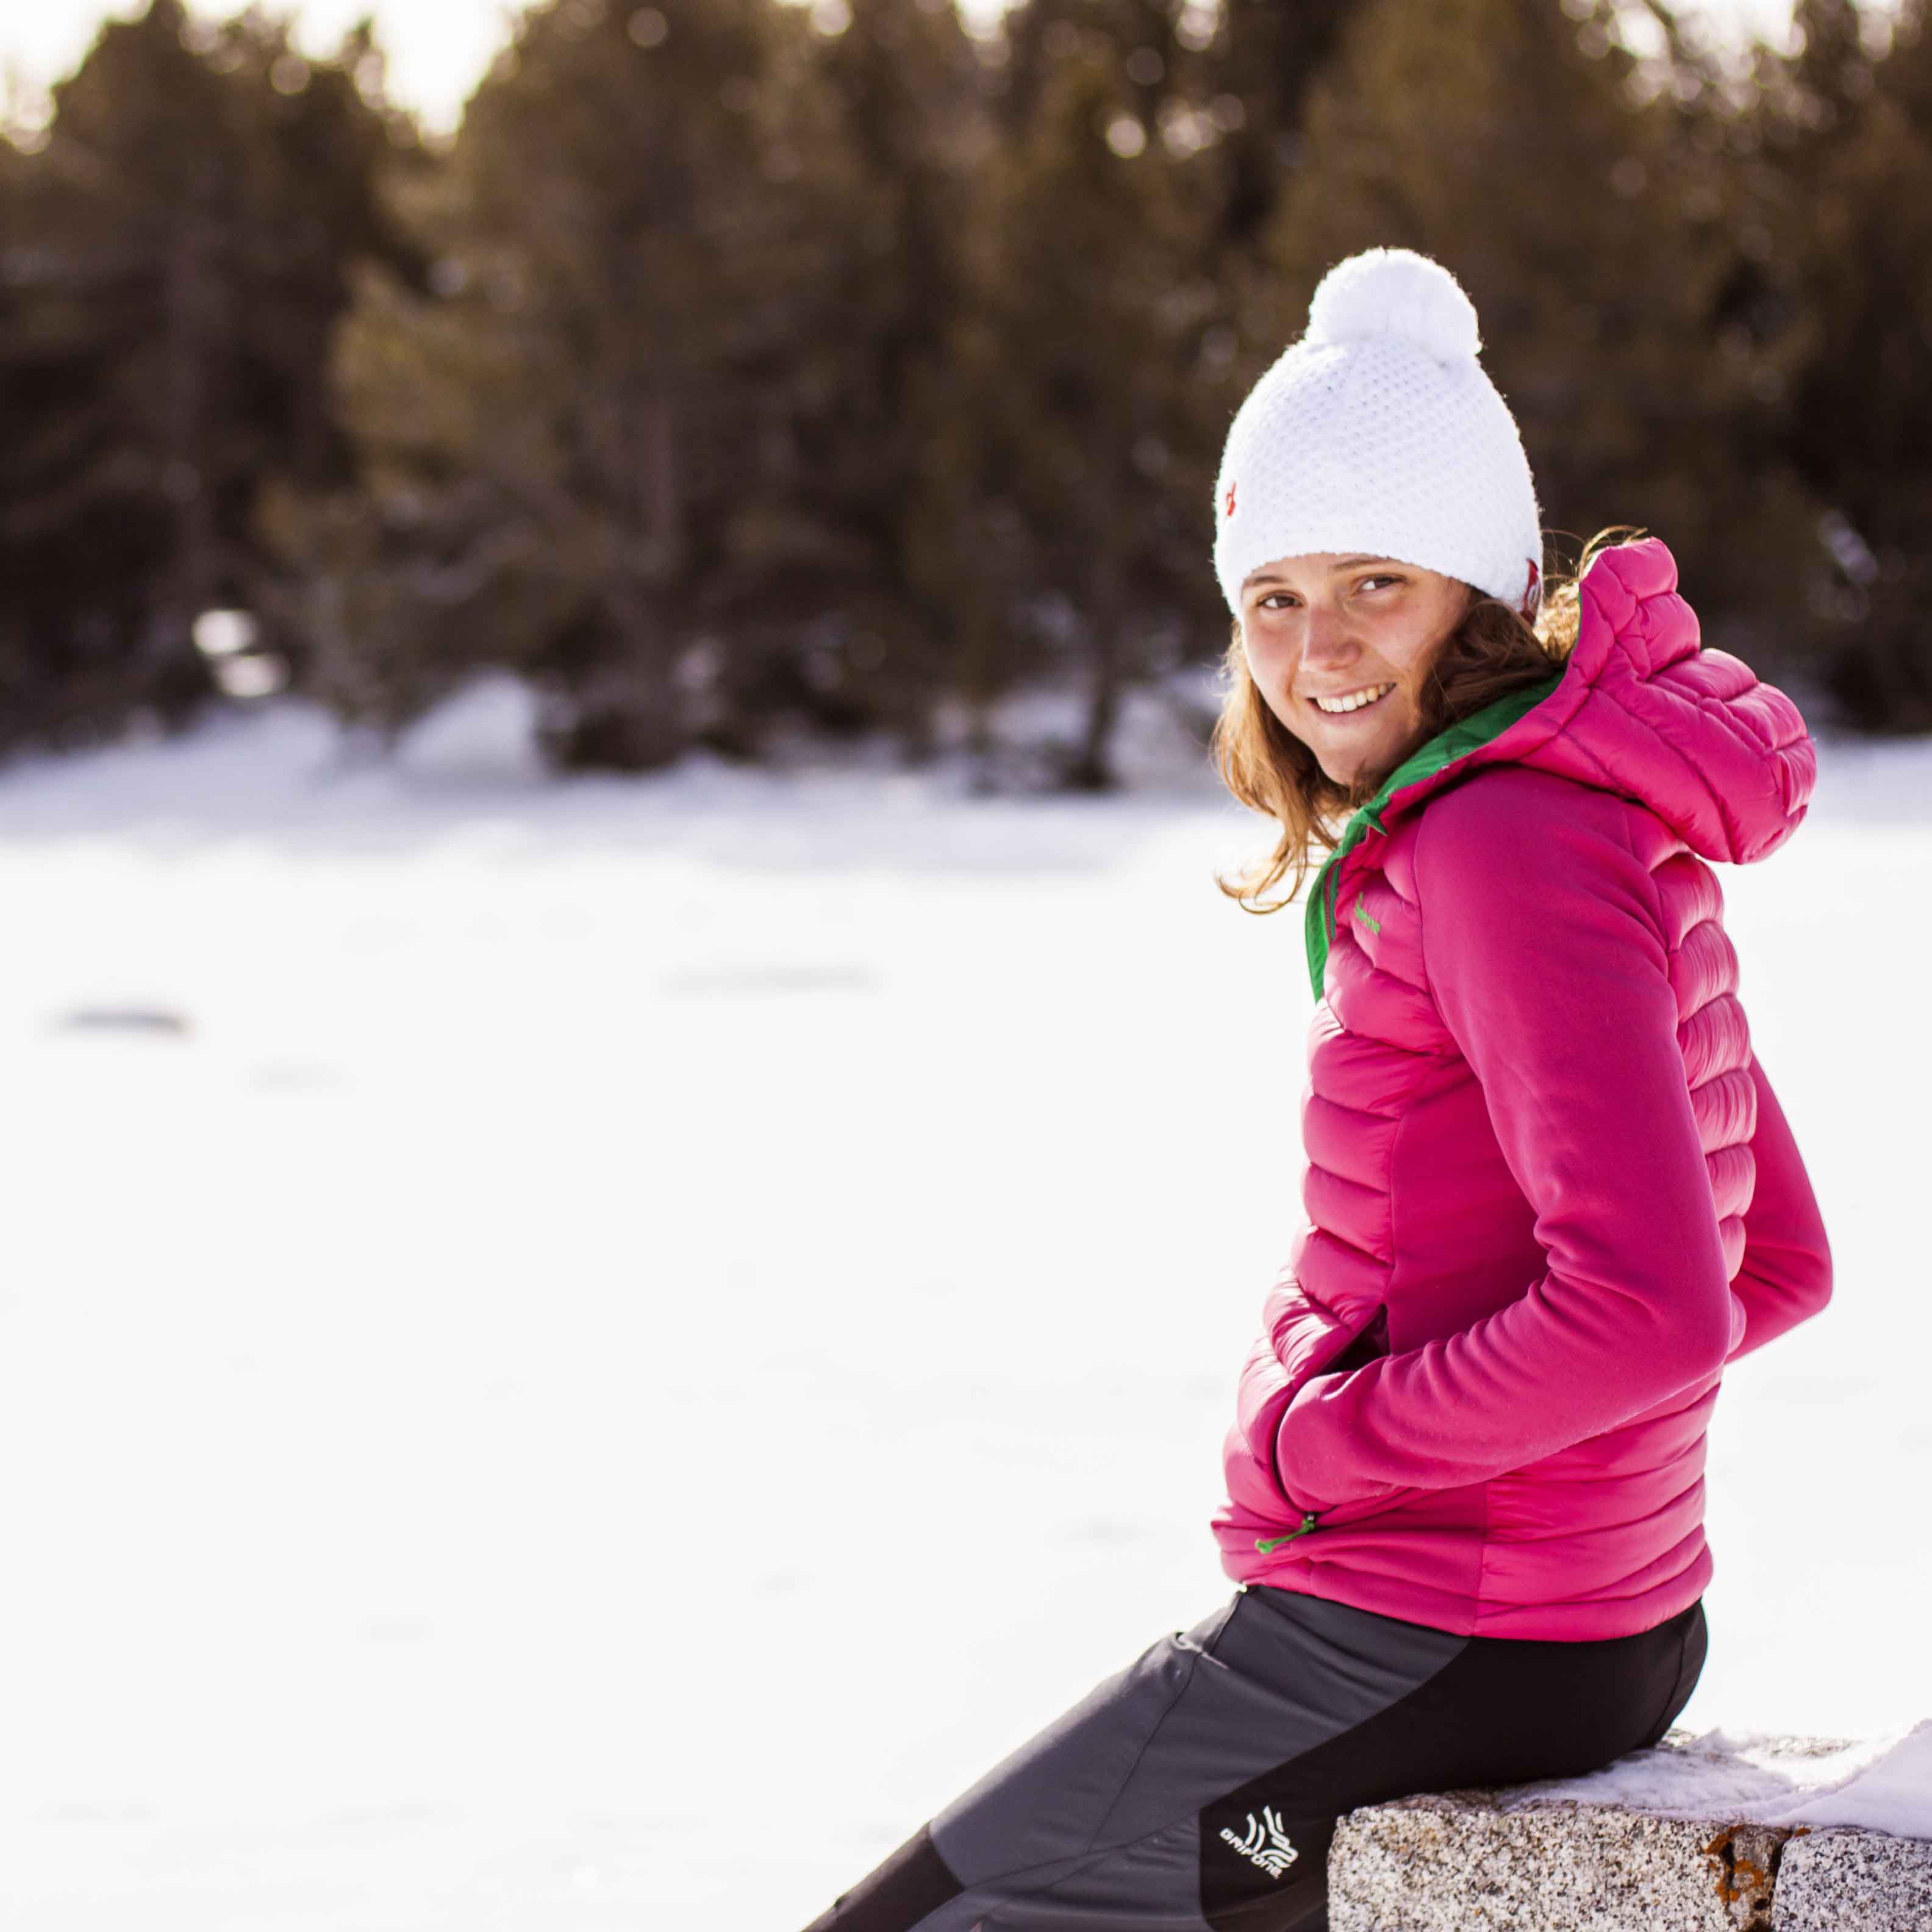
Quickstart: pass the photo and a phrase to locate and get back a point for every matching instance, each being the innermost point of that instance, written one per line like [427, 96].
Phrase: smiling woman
[1313, 634]
[1380, 422]
[1548, 1193]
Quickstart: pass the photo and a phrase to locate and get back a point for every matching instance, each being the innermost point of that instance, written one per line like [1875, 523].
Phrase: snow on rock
[1892, 1792]
[1883, 1784]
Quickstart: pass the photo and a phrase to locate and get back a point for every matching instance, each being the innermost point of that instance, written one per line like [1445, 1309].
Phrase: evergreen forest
[740, 369]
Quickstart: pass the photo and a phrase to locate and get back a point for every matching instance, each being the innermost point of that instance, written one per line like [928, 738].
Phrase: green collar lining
[1424, 763]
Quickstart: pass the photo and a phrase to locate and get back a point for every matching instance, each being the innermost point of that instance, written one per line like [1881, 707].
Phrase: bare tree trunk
[663, 497]
[1092, 766]
[192, 322]
[639, 701]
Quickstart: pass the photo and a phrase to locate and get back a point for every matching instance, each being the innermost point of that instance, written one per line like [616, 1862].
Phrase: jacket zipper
[1273, 1542]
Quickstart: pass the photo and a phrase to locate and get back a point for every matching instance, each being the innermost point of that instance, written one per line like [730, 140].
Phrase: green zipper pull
[1276, 1542]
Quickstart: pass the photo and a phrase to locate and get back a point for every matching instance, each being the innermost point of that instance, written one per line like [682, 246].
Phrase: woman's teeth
[1354, 701]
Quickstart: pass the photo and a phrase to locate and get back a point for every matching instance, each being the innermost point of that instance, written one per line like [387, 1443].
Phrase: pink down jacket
[1549, 1191]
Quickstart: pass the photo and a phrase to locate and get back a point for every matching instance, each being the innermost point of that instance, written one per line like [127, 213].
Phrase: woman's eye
[1284, 599]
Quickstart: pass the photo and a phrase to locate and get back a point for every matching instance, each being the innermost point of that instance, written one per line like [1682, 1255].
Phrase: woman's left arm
[1545, 955]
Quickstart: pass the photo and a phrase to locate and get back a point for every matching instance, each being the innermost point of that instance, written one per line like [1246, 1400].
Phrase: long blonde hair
[1491, 651]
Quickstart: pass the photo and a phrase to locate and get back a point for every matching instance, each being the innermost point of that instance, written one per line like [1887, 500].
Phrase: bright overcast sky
[437, 50]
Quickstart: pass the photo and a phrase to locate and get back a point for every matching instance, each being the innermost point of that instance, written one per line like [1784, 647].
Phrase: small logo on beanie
[1532, 599]
[1228, 507]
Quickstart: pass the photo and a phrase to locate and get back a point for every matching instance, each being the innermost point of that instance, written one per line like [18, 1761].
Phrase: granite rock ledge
[1494, 1862]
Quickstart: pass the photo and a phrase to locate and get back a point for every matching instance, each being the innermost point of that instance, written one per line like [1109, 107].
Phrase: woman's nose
[1325, 640]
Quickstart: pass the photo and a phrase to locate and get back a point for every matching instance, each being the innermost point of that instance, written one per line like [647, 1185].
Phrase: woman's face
[1326, 627]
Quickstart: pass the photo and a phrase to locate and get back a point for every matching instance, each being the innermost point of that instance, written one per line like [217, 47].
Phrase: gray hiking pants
[1199, 1787]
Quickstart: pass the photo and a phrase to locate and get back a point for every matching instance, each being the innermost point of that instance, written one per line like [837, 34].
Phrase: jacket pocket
[1366, 1344]
[1369, 1343]
[1304, 1340]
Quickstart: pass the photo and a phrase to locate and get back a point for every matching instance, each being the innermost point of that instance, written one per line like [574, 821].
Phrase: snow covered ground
[609, 1346]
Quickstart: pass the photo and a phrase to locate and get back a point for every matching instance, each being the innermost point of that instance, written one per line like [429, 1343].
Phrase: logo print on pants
[1265, 1844]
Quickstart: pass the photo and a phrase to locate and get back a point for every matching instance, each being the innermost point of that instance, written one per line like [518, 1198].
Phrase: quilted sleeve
[1547, 961]
[1785, 1275]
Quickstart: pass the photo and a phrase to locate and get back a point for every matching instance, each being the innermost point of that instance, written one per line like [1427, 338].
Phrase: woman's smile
[1345, 704]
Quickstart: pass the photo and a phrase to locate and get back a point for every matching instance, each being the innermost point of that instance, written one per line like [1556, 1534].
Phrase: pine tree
[1575, 190]
[183, 244]
[1101, 229]
[599, 457]
[1855, 113]
[911, 573]
[1264, 58]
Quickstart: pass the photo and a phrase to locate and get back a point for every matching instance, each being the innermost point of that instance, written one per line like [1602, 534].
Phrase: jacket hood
[1640, 709]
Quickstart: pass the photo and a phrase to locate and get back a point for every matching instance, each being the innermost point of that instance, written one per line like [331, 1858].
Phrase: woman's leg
[1199, 1787]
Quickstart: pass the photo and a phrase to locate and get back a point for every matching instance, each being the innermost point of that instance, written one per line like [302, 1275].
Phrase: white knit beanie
[1380, 432]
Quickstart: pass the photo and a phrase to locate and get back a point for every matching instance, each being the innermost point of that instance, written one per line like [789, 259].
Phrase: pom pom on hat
[1396, 292]
[1379, 431]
